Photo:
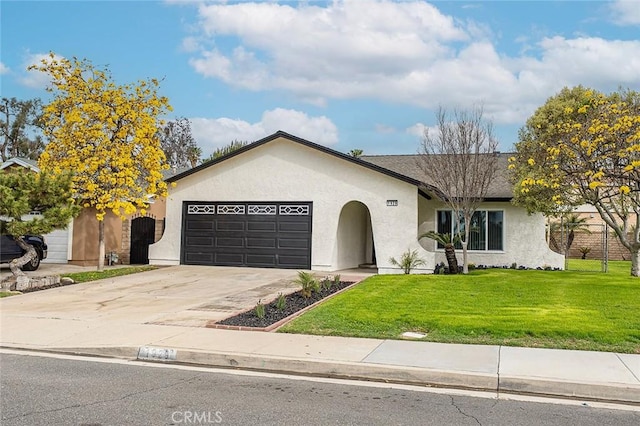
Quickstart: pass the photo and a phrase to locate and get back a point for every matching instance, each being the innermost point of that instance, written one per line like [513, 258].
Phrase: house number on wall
[392, 203]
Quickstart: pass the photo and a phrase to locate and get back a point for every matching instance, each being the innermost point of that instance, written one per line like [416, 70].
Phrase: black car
[10, 250]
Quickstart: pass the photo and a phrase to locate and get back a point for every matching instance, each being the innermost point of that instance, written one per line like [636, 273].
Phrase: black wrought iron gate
[143, 230]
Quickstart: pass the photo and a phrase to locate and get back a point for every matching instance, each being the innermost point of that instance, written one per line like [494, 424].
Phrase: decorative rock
[66, 281]
[22, 282]
[8, 284]
[26, 283]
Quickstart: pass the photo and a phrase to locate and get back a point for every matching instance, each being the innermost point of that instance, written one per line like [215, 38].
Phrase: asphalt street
[45, 390]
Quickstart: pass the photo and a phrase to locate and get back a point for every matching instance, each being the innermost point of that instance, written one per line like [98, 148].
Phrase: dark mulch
[295, 303]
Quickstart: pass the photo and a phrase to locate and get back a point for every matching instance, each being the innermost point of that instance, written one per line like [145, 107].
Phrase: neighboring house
[127, 239]
[18, 163]
[58, 241]
[286, 202]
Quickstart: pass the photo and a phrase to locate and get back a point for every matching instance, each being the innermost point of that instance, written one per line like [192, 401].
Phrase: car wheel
[34, 264]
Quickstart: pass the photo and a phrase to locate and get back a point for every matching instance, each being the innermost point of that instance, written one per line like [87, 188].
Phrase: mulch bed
[295, 303]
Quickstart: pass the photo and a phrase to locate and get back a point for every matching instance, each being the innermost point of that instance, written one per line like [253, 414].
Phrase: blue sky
[346, 74]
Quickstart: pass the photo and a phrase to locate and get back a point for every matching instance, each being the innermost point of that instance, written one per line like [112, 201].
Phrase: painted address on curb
[157, 354]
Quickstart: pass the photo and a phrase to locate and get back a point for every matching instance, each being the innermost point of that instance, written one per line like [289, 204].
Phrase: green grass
[83, 277]
[553, 309]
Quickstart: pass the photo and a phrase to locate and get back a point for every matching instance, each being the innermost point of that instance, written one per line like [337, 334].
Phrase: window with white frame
[486, 231]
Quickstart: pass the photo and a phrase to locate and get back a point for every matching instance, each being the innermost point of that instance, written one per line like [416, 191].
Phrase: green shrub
[336, 280]
[326, 284]
[308, 282]
[408, 261]
[260, 309]
[281, 302]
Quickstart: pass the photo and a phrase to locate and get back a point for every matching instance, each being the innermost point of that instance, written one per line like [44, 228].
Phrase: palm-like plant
[571, 224]
[408, 261]
[308, 282]
[449, 248]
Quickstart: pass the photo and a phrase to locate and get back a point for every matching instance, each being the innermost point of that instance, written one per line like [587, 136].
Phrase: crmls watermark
[189, 417]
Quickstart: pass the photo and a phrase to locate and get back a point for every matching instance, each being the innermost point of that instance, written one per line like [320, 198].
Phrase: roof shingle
[408, 165]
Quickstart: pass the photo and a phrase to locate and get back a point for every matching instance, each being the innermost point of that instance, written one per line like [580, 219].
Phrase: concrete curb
[348, 370]
[612, 393]
[628, 394]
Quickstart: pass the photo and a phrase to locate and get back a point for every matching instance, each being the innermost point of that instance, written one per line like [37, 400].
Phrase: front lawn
[83, 277]
[554, 309]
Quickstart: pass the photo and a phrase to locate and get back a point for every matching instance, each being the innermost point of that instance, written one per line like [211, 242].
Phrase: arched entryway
[355, 243]
[143, 231]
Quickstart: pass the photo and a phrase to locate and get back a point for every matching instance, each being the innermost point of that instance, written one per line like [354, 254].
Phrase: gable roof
[402, 167]
[500, 189]
[27, 163]
[281, 134]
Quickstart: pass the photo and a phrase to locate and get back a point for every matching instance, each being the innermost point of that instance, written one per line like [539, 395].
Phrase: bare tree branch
[460, 161]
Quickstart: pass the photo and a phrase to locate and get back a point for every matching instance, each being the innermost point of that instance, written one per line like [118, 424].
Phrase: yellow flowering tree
[106, 135]
[583, 147]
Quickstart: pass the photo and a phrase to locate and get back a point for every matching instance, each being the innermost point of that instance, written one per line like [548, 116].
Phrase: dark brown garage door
[264, 235]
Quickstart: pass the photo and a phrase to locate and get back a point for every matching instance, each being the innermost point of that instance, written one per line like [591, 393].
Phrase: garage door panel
[229, 242]
[269, 243]
[294, 243]
[289, 226]
[199, 258]
[199, 241]
[261, 260]
[229, 226]
[254, 226]
[196, 225]
[229, 259]
[285, 261]
[247, 234]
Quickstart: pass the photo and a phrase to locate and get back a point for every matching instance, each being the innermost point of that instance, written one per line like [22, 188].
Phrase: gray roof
[22, 162]
[408, 165]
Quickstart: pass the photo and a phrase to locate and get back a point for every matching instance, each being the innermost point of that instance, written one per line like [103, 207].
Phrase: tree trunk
[16, 264]
[465, 266]
[452, 261]
[635, 262]
[570, 237]
[101, 251]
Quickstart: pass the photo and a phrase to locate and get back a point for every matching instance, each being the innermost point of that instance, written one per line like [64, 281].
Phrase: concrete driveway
[177, 295]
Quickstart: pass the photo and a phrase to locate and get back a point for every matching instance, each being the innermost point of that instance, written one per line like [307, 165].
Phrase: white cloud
[190, 44]
[420, 130]
[213, 133]
[36, 79]
[3, 68]
[403, 52]
[332, 51]
[625, 12]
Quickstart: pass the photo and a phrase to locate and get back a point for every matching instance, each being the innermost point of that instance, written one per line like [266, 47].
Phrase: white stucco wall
[351, 238]
[282, 170]
[524, 238]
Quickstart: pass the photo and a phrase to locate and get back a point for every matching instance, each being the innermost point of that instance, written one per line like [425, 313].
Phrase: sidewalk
[576, 374]
[122, 322]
